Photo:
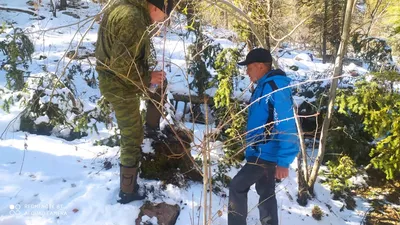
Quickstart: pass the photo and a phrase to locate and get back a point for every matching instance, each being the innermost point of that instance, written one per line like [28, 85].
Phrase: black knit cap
[164, 5]
[257, 55]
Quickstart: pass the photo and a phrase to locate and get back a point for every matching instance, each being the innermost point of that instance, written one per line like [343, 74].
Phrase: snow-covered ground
[47, 180]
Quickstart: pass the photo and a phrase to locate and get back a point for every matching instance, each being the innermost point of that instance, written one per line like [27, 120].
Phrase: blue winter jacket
[280, 145]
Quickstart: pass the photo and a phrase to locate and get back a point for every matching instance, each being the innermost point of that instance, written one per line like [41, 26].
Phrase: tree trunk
[373, 15]
[63, 4]
[190, 14]
[53, 7]
[302, 193]
[325, 33]
[302, 167]
[205, 186]
[336, 21]
[268, 27]
[226, 18]
[251, 42]
[332, 94]
[171, 161]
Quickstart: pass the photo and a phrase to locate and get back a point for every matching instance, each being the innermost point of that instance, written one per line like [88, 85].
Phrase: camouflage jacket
[123, 47]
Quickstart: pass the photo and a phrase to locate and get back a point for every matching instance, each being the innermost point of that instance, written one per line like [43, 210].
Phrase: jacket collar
[142, 5]
[269, 74]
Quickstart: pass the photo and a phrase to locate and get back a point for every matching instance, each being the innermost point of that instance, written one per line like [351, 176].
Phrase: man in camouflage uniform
[123, 51]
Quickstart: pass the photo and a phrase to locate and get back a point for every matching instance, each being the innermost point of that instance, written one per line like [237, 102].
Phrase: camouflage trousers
[126, 104]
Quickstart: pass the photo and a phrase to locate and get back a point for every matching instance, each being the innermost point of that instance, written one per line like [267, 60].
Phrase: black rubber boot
[129, 188]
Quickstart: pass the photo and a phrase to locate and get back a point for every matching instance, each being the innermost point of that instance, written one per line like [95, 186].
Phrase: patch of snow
[303, 57]
[42, 119]
[359, 180]
[298, 100]
[146, 146]
[149, 221]
[67, 178]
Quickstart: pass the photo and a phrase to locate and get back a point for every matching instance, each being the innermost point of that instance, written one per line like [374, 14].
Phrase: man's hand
[157, 77]
[281, 172]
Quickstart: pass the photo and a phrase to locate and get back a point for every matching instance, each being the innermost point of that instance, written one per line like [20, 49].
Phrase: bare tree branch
[242, 16]
[30, 12]
[278, 41]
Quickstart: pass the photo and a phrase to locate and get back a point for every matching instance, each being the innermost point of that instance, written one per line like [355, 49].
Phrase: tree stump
[171, 161]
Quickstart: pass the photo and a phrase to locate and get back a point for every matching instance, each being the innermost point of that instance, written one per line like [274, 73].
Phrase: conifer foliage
[228, 110]
[379, 106]
[203, 54]
[17, 49]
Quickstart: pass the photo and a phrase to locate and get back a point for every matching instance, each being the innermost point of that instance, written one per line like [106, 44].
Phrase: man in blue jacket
[272, 141]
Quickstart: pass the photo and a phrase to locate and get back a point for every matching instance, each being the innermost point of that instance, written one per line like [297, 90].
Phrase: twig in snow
[25, 148]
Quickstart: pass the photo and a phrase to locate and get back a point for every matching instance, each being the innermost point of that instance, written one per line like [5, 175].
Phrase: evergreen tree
[379, 105]
[325, 24]
[203, 53]
[18, 50]
[226, 67]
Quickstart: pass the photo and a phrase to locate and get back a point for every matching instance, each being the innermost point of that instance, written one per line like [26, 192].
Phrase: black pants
[263, 175]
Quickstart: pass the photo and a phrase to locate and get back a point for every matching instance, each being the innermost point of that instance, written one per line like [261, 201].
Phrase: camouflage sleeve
[130, 51]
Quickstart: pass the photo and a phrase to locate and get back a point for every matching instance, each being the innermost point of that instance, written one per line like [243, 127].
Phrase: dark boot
[128, 185]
